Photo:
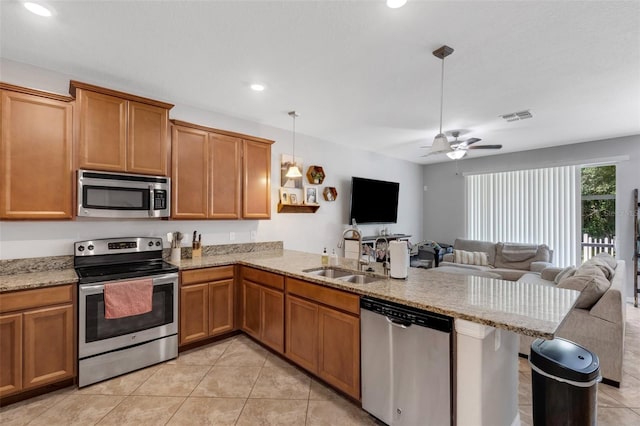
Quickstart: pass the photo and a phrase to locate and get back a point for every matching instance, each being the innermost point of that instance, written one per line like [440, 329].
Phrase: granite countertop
[529, 309]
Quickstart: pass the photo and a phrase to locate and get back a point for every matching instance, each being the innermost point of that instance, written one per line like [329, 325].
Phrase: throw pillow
[470, 257]
[591, 283]
[610, 260]
[567, 272]
[601, 264]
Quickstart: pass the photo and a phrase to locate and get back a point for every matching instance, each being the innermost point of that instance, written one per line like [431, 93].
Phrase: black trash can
[564, 382]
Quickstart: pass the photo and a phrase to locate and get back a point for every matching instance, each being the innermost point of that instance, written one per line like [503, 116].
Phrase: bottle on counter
[325, 257]
[333, 259]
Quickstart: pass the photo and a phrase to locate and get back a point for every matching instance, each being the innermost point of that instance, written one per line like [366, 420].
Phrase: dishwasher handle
[398, 323]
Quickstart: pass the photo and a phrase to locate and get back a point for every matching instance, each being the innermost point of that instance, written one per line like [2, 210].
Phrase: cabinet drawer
[196, 276]
[27, 299]
[263, 277]
[328, 296]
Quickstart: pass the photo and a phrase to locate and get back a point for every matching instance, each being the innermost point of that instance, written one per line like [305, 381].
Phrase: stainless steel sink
[359, 279]
[329, 272]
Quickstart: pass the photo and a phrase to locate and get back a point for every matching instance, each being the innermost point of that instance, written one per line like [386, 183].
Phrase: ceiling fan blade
[486, 147]
[471, 141]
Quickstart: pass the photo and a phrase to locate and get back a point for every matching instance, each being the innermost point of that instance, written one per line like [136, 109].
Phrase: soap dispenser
[333, 259]
[325, 257]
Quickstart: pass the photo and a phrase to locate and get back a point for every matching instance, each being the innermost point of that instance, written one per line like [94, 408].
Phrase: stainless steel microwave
[123, 195]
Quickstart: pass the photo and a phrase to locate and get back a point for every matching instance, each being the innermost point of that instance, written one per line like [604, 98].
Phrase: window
[598, 210]
[538, 206]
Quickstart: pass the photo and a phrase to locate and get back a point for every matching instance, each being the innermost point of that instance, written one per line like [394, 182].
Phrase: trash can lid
[564, 359]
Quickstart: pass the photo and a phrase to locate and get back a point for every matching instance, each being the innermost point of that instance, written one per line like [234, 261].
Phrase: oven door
[98, 335]
[113, 195]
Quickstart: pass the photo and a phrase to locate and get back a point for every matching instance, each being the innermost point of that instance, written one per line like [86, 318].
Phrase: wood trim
[328, 296]
[35, 92]
[27, 299]
[204, 275]
[73, 85]
[265, 278]
[221, 132]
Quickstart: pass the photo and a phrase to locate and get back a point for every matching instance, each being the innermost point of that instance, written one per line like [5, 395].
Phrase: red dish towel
[128, 298]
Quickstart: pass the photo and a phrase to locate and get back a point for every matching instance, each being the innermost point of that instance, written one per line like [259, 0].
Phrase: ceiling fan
[441, 145]
[460, 148]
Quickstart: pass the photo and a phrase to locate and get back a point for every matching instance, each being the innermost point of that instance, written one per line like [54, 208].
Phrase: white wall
[444, 201]
[307, 232]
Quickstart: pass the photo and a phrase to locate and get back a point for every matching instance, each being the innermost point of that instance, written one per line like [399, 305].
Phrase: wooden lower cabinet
[37, 338]
[323, 333]
[207, 303]
[263, 307]
[10, 353]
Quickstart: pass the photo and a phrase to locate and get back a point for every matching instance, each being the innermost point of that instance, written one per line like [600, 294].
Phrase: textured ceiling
[359, 73]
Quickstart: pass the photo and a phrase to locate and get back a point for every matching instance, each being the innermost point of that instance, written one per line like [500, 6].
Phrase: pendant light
[440, 142]
[294, 171]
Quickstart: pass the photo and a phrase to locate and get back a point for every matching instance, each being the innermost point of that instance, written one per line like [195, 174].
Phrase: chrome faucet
[385, 264]
[355, 234]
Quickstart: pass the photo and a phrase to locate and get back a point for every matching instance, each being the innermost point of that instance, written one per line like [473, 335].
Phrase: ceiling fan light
[456, 154]
[440, 143]
[293, 172]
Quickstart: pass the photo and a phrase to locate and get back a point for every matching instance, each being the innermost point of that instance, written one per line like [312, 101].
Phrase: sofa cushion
[542, 254]
[467, 271]
[567, 272]
[590, 281]
[535, 278]
[476, 245]
[606, 257]
[601, 264]
[509, 274]
[470, 257]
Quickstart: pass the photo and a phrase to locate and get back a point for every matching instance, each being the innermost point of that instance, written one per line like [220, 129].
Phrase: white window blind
[539, 206]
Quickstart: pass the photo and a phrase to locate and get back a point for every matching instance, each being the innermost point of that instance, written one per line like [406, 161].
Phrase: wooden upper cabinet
[148, 142]
[257, 180]
[120, 132]
[190, 166]
[238, 175]
[225, 187]
[102, 124]
[36, 177]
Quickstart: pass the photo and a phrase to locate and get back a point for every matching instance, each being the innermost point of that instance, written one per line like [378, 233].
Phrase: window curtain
[539, 206]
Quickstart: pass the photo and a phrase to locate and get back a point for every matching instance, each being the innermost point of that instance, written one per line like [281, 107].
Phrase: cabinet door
[272, 321]
[36, 178]
[251, 308]
[339, 350]
[256, 169]
[49, 344]
[302, 333]
[147, 139]
[10, 354]
[221, 307]
[194, 313]
[102, 122]
[189, 173]
[225, 191]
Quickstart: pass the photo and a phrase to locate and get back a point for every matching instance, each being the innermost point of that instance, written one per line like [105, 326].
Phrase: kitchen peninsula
[488, 315]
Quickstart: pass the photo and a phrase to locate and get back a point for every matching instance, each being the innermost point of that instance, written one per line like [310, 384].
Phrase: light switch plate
[232, 236]
[254, 235]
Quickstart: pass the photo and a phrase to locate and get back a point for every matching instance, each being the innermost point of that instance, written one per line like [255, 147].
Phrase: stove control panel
[117, 246]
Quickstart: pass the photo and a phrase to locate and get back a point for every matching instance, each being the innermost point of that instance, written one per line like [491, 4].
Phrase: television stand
[392, 237]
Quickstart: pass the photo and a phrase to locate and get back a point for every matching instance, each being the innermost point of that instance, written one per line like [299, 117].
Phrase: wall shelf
[297, 208]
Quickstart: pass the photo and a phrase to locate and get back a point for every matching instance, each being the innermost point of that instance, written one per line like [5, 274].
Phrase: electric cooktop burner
[114, 259]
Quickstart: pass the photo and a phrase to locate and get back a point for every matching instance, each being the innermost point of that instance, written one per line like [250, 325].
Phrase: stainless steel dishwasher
[407, 368]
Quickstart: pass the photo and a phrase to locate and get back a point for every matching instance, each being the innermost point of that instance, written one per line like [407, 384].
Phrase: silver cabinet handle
[397, 324]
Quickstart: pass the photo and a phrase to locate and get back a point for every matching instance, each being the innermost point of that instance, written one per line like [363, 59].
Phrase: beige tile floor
[237, 382]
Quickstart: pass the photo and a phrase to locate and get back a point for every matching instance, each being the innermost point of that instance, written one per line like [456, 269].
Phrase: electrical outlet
[232, 236]
[254, 235]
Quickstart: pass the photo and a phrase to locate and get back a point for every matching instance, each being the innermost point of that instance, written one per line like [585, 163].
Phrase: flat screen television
[373, 201]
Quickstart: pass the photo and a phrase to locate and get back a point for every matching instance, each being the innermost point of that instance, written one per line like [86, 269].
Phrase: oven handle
[157, 280]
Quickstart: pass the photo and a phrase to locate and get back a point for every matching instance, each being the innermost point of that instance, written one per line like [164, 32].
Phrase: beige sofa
[509, 265]
[599, 329]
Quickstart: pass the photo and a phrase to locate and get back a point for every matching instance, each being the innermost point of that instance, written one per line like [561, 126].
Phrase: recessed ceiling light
[38, 9]
[395, 4]
[258, 87]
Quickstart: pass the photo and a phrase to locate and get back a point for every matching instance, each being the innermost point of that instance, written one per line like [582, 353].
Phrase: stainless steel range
[109, 346]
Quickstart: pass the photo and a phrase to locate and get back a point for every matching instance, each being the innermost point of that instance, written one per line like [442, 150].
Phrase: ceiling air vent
[515, 116]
